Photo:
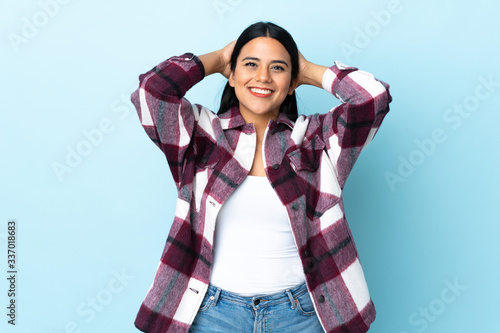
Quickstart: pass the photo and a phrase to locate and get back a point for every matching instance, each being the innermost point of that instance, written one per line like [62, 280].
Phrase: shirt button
[276, 166]
[321, 298]
[306, 253]
[295, 206]
[310, 267]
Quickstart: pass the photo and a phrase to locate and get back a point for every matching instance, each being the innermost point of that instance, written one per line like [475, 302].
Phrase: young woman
[259, 241]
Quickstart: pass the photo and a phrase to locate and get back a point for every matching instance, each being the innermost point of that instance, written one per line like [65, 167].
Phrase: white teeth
[261, 91]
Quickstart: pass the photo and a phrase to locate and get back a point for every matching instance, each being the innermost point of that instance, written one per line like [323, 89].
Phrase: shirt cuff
[335, 74]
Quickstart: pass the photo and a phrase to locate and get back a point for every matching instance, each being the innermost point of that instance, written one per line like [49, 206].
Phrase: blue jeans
[289, 311]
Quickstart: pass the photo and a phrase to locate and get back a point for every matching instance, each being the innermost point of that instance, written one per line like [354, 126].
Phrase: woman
[259, 240]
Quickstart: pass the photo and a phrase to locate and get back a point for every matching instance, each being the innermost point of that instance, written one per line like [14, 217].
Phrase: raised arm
[349, 127]
[167, 117]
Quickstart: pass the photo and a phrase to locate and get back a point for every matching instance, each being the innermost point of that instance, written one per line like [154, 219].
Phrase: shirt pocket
[308, 156]
[207, 155]
[314, 178]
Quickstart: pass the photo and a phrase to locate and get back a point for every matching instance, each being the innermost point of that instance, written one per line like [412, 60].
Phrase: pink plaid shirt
[307, 163]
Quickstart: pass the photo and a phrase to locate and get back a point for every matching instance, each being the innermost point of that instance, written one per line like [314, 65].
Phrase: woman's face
[262, 78]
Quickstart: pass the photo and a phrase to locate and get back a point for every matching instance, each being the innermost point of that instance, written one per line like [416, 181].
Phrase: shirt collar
[232, 118]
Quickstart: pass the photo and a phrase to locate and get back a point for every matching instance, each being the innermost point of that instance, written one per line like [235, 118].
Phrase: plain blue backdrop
[94, 200]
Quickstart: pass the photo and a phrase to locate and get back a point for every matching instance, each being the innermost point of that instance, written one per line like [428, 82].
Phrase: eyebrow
[274, 61]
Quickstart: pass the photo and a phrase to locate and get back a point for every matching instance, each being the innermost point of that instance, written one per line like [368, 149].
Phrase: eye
[278, 68]
[251, 64]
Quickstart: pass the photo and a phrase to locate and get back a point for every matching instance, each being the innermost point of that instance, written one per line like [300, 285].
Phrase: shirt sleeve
[349, 127]
[167, 117]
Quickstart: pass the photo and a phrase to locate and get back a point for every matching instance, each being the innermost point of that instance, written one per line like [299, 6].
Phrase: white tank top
[254, 249]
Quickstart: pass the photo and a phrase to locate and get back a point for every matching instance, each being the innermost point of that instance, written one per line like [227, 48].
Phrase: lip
[260, 95]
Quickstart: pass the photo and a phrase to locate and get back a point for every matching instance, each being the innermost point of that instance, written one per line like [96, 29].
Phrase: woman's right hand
[218, 61]
[225, 59]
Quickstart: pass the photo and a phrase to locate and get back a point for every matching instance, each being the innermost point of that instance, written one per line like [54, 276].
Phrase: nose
[263, 75]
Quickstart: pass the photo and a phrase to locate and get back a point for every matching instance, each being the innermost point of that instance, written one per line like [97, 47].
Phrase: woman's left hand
[310, 73]
[303, 65]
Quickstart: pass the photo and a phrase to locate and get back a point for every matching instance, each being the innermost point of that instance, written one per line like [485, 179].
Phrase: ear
[293, 85]
[230, 79]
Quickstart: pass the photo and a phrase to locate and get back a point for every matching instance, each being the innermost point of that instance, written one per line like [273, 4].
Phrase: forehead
[264, 48]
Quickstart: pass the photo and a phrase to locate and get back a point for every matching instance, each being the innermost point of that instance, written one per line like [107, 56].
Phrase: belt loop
[290, 296]
[216, 296]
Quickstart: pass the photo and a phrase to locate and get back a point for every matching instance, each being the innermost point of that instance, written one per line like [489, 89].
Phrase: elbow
[134, 98]
[381, 97]
[387, 94]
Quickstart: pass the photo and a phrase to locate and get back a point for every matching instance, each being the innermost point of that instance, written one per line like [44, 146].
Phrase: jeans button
[256, 302]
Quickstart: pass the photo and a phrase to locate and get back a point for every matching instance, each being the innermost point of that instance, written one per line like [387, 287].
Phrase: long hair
[264, 29]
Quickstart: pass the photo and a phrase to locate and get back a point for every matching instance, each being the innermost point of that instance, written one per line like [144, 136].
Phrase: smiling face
[262, 78]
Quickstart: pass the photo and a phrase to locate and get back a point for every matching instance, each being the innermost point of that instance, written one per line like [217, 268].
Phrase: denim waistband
[256, 301]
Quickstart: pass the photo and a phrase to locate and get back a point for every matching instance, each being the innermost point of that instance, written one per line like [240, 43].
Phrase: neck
[259, 121]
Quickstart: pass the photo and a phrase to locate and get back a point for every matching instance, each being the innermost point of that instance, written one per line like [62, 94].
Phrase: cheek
[238, 80]
[285, 85]
[239, 89]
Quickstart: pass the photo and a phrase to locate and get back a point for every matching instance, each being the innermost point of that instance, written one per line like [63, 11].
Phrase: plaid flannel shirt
[306, 162]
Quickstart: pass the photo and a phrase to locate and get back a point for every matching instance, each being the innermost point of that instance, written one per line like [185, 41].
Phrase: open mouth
[260, 92]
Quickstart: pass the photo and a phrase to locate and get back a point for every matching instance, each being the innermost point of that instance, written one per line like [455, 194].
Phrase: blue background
[423, 209]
